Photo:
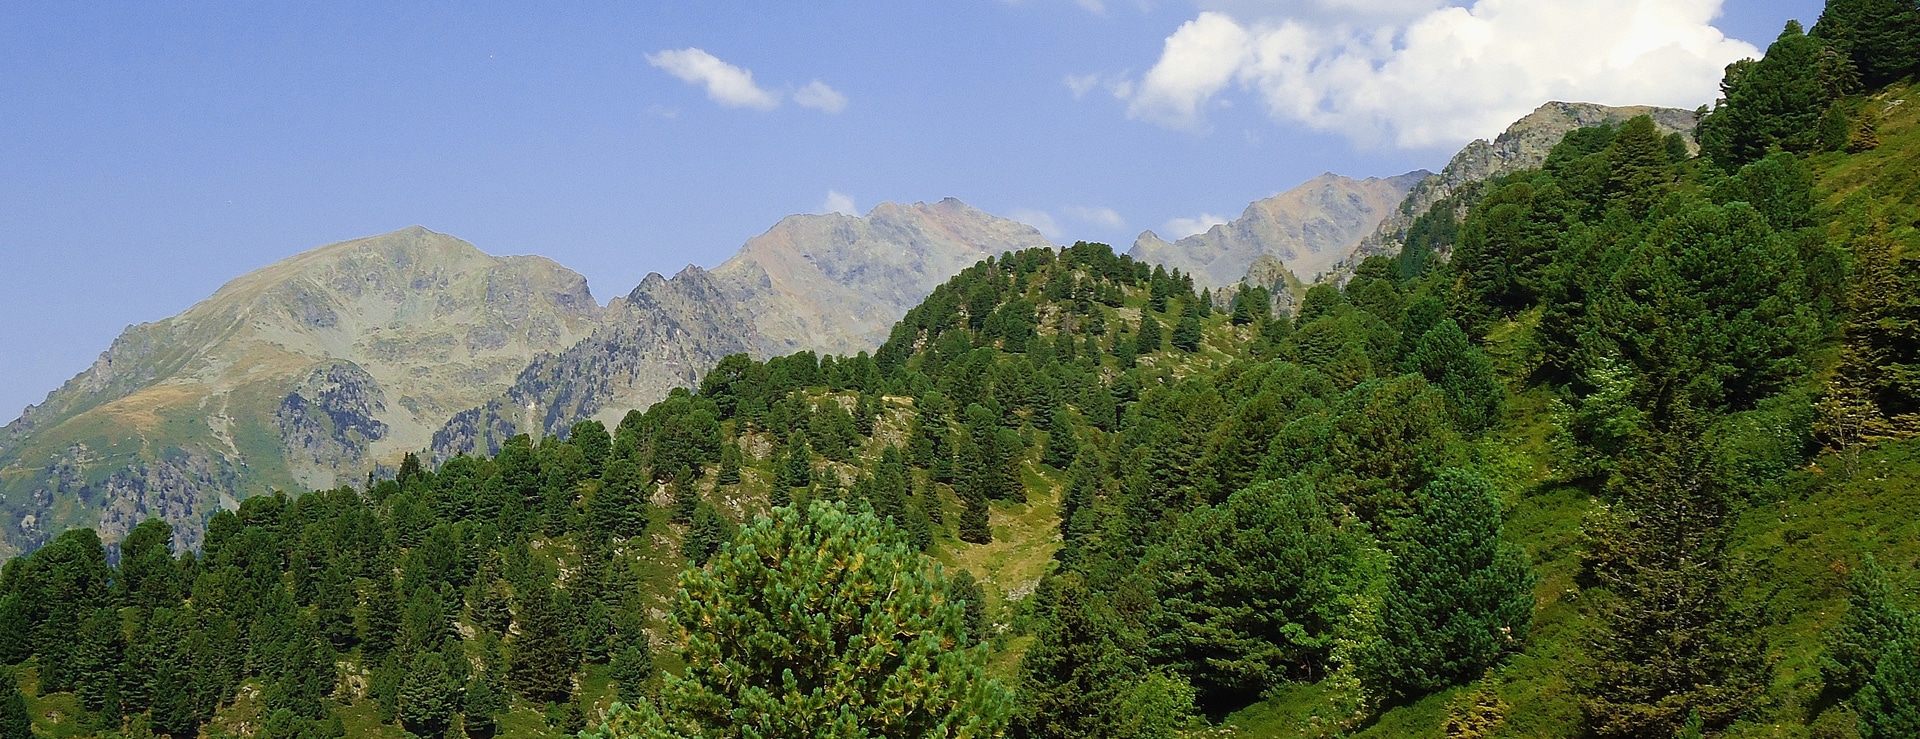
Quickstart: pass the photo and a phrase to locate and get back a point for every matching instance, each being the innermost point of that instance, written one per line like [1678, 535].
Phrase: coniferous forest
[1625, 446]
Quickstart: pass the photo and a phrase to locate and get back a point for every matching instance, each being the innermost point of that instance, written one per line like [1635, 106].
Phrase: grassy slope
[1796, 550]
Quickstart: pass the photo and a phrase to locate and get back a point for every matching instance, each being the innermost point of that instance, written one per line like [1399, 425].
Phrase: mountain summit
[300, 373]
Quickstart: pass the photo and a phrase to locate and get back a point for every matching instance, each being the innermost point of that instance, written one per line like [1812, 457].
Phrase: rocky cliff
[303, 374]
[1307, 228]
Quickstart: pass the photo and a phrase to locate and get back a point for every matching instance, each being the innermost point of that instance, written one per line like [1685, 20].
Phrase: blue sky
[154, 150]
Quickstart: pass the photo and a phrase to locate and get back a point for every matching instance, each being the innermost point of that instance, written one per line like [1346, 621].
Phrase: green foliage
[14, 719]
[1459, 595]
[1248, 591]
[1880, 37]
[1086, 676]
[1889, 702]
[1874, 626]
[1776, 101]
[817, 621]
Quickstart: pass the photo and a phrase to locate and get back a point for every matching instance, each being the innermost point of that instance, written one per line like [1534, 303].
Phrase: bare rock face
[1523, 146]
[826, 283]
[303, 374]
[1307, 228]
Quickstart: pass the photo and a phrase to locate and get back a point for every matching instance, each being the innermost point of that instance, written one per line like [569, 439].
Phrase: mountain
[299, 375]
[829, 283]
[1524, 145]
[1308, 228]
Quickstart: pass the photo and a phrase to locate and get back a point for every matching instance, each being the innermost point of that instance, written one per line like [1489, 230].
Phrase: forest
[1629, 450]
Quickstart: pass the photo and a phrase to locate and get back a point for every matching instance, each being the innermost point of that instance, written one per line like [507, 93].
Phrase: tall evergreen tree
[540, 659]
[1881, 37]
[1459, 595]
[428, 699]
[1873, 625]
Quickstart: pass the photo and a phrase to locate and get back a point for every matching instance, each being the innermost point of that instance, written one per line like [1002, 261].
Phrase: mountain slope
[1308, 228]
[1524, 145]
[824, 283]
[298, 375]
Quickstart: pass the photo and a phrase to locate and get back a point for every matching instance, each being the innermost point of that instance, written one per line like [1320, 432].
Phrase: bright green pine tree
[1459, 595]
[1463, 372]
[1084, 667]
[1776, 101]
[819, 623]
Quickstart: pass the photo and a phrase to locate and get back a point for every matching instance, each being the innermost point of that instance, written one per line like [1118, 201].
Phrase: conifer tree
[427, 698]
[797, 470]
[1459, 595]
[14, 719]
[540, 661]
[730, 459]
[631, 668]
[1063, 445]
[1463, 372]
[1889, 703]
[1186, 334]
[1872, 626]
[878, 654]
[1147, 340]
[595, 445]
[686, 497]
[704, 537]
[1881, 37]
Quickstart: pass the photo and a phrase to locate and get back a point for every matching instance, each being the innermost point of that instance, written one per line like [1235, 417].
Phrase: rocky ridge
[1308, 229]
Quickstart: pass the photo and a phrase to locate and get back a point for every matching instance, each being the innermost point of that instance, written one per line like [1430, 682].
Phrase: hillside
[1622, 445]
[300, 374]
[823, 283]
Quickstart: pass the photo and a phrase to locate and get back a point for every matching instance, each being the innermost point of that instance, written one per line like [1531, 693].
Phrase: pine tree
[1670, 641]
[427, 698]
[877, 655]
[1147, 340]
[1463, 372]
[1889, 703]
[478, 707]
[1881, 37]
[1873, 625]
[1459, 595]
[594, 443]
[730, 458]
[540, 661]
[631, 669]
[686, 497]
[964, 590]
[704, 537]
[1186, 333]
[147, 576]
[14, 719]
[797, 470]
[1062, 444]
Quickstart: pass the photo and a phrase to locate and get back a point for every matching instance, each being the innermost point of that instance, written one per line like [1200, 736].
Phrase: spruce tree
[1459, 596]
[1147, 340]
[15, 721]
[686, 497]
[797, 470]
[1889, 703]
[1872, 626]
[1062, 444]
[540, 659]
[427, 699]
[730, 458]
[631, 668]
[1881, 37]
[878, 653]
[1463, 372]
[1186, 333]
[594, 443]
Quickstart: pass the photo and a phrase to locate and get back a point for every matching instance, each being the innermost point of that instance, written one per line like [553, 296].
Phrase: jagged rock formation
[302, 374]
[1308, 228]
[1524, 145]
[827, 283]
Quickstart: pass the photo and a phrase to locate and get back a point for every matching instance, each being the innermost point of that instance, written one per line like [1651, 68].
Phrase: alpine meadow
[1620, 442]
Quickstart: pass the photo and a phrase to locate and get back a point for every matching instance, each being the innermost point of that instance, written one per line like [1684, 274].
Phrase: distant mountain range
[316, 370]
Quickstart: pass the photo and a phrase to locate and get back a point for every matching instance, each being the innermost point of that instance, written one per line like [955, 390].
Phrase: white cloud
[1082, 84]
[819, 96]
[1040, 220]
[1425, 74]
[726, 84]
[839, 202]
[1198, 61]
[1106, 218]
[1180, 228]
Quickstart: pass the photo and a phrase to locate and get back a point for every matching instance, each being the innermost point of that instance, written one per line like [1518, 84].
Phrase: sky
[151, 151]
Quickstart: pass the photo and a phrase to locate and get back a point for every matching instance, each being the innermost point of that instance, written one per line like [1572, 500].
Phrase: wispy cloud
[819, 96]
[1106, 218]
[1040, 220]
[726, 84]
[839, 202]
[1180, 228]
